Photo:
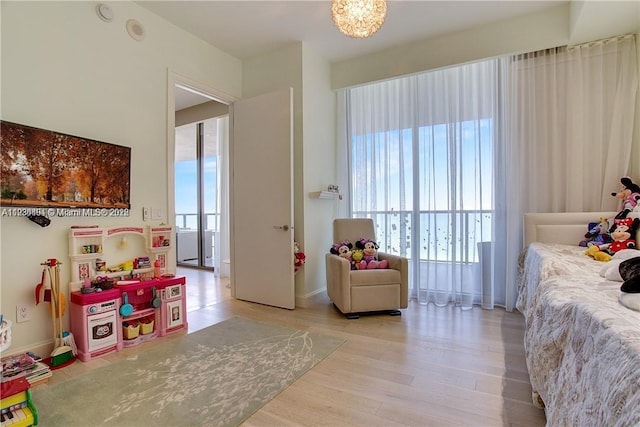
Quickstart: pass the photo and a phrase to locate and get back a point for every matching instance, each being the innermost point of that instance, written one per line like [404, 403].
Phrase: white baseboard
[42, 349]
[315, 297]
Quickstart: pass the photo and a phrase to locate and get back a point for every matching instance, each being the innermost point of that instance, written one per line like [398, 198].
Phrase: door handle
[281, 227]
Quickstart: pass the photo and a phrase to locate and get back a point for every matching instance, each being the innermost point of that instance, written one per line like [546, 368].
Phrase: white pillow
[610, 270]
[631, 301]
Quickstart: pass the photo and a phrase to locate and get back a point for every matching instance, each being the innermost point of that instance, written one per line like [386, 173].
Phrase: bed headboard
[568, 228]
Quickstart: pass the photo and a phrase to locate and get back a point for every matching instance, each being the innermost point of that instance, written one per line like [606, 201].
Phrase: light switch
[145, 214]
[157, 214]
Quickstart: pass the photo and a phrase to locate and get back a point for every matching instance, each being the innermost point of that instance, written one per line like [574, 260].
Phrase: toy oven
[102, 326]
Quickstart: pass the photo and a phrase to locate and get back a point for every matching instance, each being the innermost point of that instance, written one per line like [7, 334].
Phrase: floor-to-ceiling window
[196, 192]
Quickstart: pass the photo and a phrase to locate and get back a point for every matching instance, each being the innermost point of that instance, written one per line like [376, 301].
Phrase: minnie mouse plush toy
[343, 250]
[623, 235]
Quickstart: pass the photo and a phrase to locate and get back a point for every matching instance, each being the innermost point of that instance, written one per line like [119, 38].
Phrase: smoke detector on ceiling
[135, 29]
[104, 12]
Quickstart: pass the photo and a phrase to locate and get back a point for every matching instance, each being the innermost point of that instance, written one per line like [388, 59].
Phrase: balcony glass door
[196, 193]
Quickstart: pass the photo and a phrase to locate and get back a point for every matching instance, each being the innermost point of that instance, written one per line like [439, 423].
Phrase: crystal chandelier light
[358, 18]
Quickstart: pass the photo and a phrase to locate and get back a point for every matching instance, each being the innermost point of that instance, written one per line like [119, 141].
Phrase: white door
[261, 198]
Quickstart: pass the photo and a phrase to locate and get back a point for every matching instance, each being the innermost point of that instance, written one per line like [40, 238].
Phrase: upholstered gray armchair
[359, 291]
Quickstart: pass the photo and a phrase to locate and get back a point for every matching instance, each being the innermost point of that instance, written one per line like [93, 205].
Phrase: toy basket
[131, 329]
[146, 326]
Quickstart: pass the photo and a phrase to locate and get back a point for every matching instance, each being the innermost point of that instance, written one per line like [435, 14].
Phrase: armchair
[359, 291]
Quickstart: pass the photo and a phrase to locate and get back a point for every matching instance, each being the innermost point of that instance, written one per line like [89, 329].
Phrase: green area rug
[218, 376]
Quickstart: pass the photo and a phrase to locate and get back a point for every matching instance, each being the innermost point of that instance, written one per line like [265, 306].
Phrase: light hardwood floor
[429, 367]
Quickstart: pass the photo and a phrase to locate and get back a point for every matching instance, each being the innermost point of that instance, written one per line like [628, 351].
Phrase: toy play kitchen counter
[131, 312]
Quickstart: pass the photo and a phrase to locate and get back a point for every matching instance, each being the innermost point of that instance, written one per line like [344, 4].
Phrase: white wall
[66, 70]
[525, 34]
[571, 23]
[319, 134]
[298, 66]
[274, 71]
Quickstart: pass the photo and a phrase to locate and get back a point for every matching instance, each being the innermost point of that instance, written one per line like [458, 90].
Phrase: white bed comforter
[582, 346]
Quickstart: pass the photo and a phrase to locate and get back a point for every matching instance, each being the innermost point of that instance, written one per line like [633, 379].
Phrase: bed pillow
[630, 289]
[631, 301]
[630, 273]
[611, 270]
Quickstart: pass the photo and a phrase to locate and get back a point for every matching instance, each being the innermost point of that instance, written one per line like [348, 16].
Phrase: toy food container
[146, 326]
[131, 329]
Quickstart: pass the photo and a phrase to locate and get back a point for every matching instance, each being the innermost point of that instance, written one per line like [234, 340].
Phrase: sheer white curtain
[420, 151]
[570, 114]
[451, 158]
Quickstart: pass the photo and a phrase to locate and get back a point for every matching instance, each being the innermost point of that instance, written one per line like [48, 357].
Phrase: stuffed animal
[611, 270]
[356, 256]
[598, 234]
[635, 213]
[629, 197]
[370, 250]
[596, 253]
[343, 250]
[299, 257]
[630, 273]
[630, 289]
[623, 235]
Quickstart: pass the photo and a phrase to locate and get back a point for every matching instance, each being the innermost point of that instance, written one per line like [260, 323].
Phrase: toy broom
[64, 345]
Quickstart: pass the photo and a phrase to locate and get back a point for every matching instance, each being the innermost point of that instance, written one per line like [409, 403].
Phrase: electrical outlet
[23, 313]
[145, 214]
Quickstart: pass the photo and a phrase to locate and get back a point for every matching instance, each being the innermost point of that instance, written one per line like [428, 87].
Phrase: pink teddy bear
[370, 259]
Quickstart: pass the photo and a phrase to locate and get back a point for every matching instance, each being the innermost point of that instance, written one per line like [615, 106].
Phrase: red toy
[622, 235]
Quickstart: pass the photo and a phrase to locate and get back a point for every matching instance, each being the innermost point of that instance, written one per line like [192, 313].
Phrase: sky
[186, 188]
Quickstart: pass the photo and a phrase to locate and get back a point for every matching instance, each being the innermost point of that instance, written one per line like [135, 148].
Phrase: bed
[582, 345]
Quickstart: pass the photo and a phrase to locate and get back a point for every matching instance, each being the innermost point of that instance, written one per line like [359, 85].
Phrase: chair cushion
[352, 229]
[385, 276]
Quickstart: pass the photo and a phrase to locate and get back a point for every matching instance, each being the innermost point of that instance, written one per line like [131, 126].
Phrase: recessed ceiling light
[104, 12]
[135, 29]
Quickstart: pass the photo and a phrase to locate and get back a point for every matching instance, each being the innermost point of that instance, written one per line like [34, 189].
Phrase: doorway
[200, 128]
[262, 131]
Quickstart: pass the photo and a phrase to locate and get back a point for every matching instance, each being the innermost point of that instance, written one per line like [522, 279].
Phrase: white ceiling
[245, 29]
[185, 98]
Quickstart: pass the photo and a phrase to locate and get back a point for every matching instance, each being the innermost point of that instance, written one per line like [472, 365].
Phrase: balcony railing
[436, 241]
[187, 243]
[211, 221]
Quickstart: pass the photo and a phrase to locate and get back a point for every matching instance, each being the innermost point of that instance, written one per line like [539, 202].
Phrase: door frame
[174, 79]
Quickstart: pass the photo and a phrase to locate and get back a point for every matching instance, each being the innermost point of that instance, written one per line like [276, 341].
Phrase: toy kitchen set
[121, 295]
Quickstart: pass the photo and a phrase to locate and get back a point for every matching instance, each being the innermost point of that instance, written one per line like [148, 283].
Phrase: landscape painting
[45, 168]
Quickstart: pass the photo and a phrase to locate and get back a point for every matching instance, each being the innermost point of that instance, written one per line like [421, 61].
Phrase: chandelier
[358, 18]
